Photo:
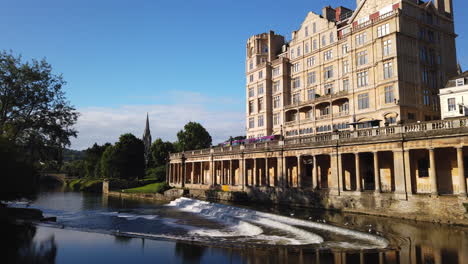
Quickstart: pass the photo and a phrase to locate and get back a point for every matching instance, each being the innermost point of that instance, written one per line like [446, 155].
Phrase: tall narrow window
[362, 79]
[314, 44]
[251, 122]
[388, 70]
[389, 97]
[363, 101]
[451, 104]
[311, 61]
[296, 82]
[328, 55]
[260, 74]
[387, 47]
[311, 94]
[344, 49]
[345, 67]
[276, 86]
[311, 78]
[260, 121]
[328, 72]
[296, 98]
[328, 88]
[251, 92]
[346, 85]
[296, 67]
[276, 119]
[306, 48]
[276, 101]
[362, 58]
[276, 71]
[251, 107]
[260, 89]
[260, 104]
[426, 97]
[306, 31]
[332, 39]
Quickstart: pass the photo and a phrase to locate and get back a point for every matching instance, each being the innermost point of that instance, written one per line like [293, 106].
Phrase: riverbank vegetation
[158, 187]
[123, 163]
[36, 123]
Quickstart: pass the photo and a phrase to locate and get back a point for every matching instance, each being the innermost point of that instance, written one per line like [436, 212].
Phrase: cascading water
[199, 221]
[250, 223]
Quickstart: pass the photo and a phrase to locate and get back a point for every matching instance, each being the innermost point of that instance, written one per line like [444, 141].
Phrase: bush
[158, 173]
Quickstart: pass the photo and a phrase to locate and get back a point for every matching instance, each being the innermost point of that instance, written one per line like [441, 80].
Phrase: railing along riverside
[407, 129]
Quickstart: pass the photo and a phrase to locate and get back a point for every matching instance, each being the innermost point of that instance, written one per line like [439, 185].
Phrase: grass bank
[158, 187]
[85, 185]
[95, 184]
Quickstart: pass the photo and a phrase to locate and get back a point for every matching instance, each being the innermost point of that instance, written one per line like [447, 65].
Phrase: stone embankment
[428, 208]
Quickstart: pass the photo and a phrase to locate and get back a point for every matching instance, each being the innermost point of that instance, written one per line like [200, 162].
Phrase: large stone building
[379, 64]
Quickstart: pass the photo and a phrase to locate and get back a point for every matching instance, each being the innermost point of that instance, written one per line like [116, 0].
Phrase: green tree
[160, 150]
[36, 122]
[93, 158]
[34, 111]
[193, 136]
[107, 163]
[125, 159]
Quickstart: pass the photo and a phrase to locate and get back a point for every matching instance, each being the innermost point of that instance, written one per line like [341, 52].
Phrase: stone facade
[454, 96]
[398, 170]
[382, 62]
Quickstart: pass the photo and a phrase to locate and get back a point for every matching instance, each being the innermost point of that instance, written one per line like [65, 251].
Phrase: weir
[411, 171]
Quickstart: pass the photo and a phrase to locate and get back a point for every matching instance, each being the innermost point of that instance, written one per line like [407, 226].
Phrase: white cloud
[106, 124]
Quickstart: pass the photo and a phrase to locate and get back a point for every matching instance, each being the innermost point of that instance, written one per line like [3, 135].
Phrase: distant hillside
[71, 154]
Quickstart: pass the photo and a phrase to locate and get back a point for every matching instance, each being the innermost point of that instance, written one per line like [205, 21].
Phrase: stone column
[192, 173]
[280, 176]
[212, 180]
[315, 181]
[222, 175]
[409, 184]
[334, 188]
[399, 174]
[230, 173]
[358, 172]
[299, 171]
[242, 174]
[254, 174]
[341, 183]
[267, 173]
[432, 172]
[378, 188]
[461, 173]
[184, 171]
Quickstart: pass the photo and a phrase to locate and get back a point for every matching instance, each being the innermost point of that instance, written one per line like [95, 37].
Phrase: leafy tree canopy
[160, 150]
[193, 136]
[125, 159]
[33, 109]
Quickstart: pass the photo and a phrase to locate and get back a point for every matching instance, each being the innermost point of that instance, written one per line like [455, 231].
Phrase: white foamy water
[249, 223]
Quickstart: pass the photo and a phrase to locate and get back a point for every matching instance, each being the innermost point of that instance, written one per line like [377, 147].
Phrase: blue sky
[179, 60]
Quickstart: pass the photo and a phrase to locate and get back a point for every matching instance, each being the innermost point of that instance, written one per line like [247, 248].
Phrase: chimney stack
[329, 13]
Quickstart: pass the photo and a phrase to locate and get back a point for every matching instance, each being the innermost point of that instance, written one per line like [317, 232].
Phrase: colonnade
[399, 171]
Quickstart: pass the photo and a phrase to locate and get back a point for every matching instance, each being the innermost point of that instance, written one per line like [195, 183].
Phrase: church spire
[147, 141]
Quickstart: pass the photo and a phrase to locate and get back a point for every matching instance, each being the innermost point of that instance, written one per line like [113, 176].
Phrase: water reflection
[412, 243]
[20, 246]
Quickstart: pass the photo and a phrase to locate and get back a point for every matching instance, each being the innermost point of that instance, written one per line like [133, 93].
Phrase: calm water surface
[92, 228]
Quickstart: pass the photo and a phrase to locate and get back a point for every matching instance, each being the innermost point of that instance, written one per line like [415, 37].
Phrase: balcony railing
[408, 131]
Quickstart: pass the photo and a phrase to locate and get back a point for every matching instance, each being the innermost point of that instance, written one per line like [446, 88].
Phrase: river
[92, 228]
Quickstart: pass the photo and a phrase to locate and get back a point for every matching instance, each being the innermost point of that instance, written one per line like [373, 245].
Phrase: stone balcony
[399, 132]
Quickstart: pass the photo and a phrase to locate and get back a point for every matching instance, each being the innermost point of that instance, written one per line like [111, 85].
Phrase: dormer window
[460, 82]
